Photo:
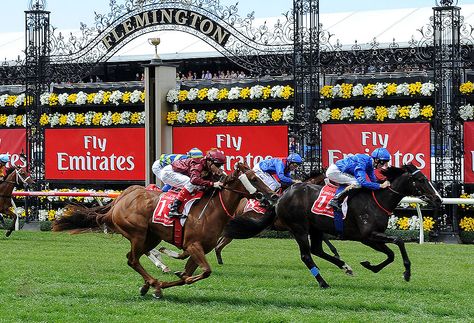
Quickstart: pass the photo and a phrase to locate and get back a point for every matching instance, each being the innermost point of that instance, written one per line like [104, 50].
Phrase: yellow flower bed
[467, 224]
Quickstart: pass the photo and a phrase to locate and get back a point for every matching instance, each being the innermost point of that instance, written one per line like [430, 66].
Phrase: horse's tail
[242, 227]
[80, 219]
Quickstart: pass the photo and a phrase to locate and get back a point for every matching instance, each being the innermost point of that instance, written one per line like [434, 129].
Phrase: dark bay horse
[366, 221]
[314, 177]
[15, 177]
[131, 215]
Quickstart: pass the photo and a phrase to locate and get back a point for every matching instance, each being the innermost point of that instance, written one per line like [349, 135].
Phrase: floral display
[376, 90]
[89, 118]
[378, 113]
[263, 115]
[467, 224]
[466, 112]
[116, 97]
[466, 88]
[410, 223]
[467, 196]
[256, 92]
[81, 98]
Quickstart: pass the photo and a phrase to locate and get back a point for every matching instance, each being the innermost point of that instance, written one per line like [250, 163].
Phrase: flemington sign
[167, 16]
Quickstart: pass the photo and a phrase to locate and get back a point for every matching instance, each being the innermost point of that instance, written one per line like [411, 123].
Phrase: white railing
[446, 200]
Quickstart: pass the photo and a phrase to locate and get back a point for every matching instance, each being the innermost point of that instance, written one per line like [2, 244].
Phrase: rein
[223, 206]
[380, 205]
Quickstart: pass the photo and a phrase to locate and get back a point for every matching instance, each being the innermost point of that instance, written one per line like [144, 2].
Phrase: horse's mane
[392, 172]
[9, 171]
[314, 173]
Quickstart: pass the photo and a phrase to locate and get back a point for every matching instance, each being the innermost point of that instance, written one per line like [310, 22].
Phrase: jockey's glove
[217, 184]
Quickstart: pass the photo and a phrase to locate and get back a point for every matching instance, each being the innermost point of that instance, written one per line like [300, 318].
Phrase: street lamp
[155, 42]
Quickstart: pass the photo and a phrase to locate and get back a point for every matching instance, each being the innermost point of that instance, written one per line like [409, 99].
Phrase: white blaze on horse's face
[243, 178]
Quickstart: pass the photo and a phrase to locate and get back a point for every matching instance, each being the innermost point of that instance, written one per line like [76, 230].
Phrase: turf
[51, 277]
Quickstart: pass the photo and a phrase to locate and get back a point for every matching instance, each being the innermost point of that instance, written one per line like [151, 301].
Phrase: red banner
[469, 152]
[13, 142]
[407, 142]
[250, 144]
[95, 154]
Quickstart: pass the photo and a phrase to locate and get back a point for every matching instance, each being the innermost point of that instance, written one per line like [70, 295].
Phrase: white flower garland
[466, 112]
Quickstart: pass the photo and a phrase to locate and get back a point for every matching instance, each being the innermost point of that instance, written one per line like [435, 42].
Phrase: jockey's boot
[337, 200]
[182, 197]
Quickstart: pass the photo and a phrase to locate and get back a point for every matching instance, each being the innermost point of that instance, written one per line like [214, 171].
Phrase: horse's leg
[12, 225]
[155, 258]
[305, 252]
[331, 246]
[139, 248]
[173, 254]
[2, 221]
[221, 243]
[189, 269]
[381, 247]
[317, 249]
[382, 237]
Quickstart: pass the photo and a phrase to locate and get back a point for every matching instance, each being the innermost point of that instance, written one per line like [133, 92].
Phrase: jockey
[282, 168]
[191, 174]
[353, 171]
[167, 159]
[4, 159]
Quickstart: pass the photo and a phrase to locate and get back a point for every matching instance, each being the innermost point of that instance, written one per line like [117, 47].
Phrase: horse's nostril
[259, 196]
[274, 197]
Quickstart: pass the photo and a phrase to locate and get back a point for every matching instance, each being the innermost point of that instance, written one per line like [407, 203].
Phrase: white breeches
[175, 179]
[335, 175]
[268, 179]
[156, 169]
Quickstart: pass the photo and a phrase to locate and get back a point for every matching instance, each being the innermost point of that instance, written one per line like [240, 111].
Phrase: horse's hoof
[407, 276]
[324, 285]
[219, 261]
[179, 273]
[347, 270]
[366, 264]
[8, 233]
[143, 290]
[158, 294]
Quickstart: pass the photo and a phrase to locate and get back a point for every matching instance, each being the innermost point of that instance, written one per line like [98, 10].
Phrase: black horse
[366, 221]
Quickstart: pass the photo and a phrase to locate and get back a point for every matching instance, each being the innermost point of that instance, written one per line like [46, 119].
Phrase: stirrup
[335, 205]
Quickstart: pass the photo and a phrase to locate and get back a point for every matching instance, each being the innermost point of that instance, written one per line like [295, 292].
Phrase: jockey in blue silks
[281, 168]
[167, 159]
[354, 170]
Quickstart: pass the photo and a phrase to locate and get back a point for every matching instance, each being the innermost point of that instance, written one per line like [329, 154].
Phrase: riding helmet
[294, 158]
[195, 153]
[4, 158]
[216, 156]
[381, 154]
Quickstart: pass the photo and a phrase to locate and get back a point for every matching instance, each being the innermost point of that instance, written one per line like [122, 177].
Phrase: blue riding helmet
[4, 158]
[195, 153]
[381, 154]
[294, 158]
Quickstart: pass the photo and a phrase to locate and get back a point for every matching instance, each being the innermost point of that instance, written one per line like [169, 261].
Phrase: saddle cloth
[320, 205]
[160, 214]
[255, 206]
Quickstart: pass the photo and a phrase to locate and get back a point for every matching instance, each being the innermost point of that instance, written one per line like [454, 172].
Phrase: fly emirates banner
[407, 142]
[469, 152]
[13, 142]
[112, 154]
[249, 144]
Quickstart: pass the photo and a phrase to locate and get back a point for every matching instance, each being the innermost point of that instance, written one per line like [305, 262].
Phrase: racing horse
[366, 221]
[314, 177]
[131, 215]
[15, 176]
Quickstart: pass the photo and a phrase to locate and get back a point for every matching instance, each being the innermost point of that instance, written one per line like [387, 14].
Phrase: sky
[67, 14]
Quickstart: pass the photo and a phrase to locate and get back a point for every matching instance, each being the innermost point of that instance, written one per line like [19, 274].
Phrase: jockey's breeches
[175, 179]
[268, 179]
[336, 176]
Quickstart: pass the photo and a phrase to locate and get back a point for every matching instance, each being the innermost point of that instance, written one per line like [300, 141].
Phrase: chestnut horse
[131, 215]
[15, 177]
[314, 177]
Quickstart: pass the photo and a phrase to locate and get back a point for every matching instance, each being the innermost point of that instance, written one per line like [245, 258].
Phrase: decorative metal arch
[257, 48]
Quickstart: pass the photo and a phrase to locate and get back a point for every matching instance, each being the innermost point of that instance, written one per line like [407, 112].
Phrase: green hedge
[467, 237]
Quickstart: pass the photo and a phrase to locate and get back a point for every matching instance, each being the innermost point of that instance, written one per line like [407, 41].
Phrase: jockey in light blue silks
[354, 170]
[281, 168]
[167, 159]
